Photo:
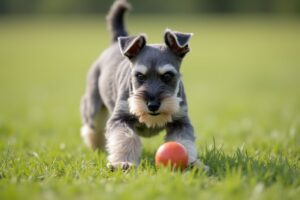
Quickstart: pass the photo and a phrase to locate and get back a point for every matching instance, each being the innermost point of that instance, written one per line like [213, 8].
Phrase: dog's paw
[199, 165]
[125, 166]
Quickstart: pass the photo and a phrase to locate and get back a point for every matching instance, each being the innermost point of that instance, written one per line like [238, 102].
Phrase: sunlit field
[242, 80]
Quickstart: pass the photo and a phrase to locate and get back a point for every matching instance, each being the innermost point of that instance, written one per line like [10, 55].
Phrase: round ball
[173, 154]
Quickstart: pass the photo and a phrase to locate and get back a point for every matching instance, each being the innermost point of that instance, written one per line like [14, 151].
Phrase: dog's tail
[115, 19]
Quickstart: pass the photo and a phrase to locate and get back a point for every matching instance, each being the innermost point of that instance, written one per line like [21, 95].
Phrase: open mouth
[154, 114]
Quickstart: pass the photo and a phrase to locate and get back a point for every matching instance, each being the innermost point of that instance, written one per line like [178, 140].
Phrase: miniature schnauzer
[135, 89]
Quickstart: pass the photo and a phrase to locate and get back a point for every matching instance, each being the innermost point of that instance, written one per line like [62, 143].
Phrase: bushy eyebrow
[167, 68]
[140, 69]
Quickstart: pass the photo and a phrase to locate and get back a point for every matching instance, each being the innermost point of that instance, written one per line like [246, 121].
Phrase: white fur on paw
[90, 137]
[86, 133]
[120, 165]
[198, 164]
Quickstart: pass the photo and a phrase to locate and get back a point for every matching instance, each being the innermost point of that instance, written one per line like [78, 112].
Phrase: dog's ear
[132, 45]
[177, 42]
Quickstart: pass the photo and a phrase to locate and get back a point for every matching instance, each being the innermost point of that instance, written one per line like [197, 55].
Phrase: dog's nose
[153, 106]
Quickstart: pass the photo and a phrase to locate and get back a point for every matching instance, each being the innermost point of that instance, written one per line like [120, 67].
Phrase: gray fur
[115, 19]
[114, 84]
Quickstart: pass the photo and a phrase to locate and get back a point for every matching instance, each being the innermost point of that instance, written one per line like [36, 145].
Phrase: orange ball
[173, 154]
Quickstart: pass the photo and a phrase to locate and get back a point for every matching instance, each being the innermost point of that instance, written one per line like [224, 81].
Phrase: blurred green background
[242, 79]
[166, 6]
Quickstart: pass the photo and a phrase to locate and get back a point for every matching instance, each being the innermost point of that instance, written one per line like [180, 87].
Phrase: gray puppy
[135, 89]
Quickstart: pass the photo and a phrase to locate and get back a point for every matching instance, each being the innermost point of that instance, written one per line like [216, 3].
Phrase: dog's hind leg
[93, 113]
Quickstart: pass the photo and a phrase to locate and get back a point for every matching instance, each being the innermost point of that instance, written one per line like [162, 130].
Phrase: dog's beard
[169, 106]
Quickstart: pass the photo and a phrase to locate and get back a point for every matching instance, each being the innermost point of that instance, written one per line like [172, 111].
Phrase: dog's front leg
[182, 131]
[123, 145]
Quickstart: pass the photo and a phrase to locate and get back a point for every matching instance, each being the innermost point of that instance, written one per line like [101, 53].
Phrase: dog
[134, 90]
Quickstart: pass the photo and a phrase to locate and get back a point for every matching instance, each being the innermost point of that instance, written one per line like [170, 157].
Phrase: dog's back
[99, 98]
[110, 68]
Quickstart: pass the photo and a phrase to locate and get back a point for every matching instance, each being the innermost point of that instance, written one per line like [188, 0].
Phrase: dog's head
[155, 77]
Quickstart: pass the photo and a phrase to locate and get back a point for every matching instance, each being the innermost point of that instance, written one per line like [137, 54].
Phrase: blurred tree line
[151, 6]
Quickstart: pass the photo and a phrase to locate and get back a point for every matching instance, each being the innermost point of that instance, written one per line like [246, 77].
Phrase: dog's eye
[167, 77]
[140, 77]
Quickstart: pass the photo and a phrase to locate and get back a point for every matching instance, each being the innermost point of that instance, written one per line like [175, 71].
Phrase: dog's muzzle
[153, 106]
[154, 111]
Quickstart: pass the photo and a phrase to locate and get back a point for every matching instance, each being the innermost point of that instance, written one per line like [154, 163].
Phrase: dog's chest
[142, 130]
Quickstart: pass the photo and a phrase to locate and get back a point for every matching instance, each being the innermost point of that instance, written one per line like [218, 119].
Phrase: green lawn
[243, 85]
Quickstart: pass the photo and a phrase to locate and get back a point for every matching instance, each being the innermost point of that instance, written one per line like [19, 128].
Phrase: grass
[242, 82]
